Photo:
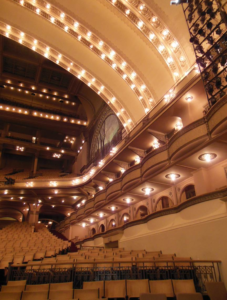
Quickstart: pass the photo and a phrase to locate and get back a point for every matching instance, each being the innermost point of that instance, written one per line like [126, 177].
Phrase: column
[35, 164]
[33, 213]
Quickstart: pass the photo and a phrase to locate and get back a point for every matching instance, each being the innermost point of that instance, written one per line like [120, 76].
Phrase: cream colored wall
[198, 231]
[79, 231]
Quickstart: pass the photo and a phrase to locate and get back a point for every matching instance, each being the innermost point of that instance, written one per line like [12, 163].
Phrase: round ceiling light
[147, 190]
[172, 176]
[128, 200]
[207, 157]
[189, 98]
[113, 208]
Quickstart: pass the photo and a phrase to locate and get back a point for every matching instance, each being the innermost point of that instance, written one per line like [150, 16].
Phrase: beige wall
[198, 231]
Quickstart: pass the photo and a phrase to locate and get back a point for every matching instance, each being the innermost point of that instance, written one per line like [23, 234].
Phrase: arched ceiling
[107, 21]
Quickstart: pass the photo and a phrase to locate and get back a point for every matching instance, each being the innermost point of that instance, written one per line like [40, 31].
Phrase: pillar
[33, 213]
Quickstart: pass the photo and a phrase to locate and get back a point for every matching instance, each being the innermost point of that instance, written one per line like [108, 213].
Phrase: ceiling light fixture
[189, 98]
[147, 191]
[207, 157]
[172, 176]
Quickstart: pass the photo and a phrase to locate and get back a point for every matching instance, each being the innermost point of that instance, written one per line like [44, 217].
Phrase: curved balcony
[193, 137]
[217, 118]
[221, 194]
[187, 139]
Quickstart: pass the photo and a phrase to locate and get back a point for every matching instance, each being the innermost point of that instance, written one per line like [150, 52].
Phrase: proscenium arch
[47, 34]
[60, 40]
[155, 34]
[14, 34]
[59, 16]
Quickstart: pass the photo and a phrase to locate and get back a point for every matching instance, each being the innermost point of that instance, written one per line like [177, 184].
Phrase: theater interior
[113, 149]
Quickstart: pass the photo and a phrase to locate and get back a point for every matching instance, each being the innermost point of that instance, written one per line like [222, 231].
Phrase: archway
[125, 218]
[5, 221]
[112, 224]
[141, 212]
[187, 193]
[93, 231]
[101, 228]
[163, 202]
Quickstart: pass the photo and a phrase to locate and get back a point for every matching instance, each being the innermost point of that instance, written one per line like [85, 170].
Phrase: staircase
[59, 235]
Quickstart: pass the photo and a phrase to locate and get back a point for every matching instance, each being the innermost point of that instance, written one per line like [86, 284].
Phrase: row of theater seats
[126, 258]
[127, 289]
[20, 244]
[104, 264]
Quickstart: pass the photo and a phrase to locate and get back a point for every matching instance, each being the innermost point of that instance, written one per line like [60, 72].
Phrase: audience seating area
[126, 289]
[20, 244]
[39, 270]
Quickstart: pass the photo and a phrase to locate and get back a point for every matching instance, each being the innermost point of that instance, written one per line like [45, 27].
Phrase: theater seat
[10, 296]
[136, 287]
[12, 289]
[152, 297]
[35, 295]
[61, 294]
[183, 286]
[16, 283]
[216, 290]
[161, 287]
[115, 289]
[190, 296]
[88, 294]
[37, 287]
[95, 285]
[61, 286]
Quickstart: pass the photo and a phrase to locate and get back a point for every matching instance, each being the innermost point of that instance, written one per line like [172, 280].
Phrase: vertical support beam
[33, 214]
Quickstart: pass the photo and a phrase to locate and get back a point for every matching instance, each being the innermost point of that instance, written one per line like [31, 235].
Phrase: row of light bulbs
[40, 94]
[38, 114]
[77, 71]
[69, 25]
[163, 37]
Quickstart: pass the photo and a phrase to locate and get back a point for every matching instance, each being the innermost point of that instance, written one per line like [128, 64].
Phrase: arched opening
[125, 218]
[112, 224]
[93, 231]
[188, 192]
[142, 211]
[163, 202]
[102, 228]
[5, 221]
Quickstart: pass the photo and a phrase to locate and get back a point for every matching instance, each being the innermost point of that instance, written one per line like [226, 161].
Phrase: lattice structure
[207, 23]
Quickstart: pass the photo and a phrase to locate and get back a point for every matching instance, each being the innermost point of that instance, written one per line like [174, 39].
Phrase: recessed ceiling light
[172, 176]
[207, 157]
[147, 190]
[128, 200]
[189, 98]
